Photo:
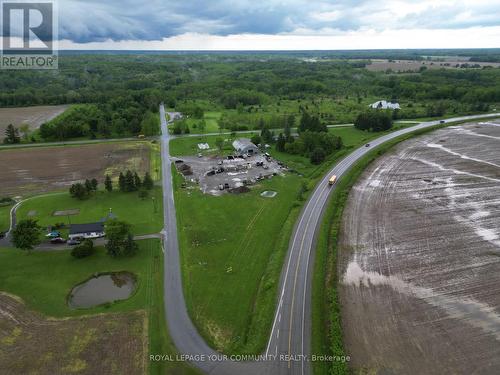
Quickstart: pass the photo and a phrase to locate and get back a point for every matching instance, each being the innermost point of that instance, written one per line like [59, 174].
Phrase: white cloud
[475, 37]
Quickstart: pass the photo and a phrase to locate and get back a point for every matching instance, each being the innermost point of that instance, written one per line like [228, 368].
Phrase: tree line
[127, 182]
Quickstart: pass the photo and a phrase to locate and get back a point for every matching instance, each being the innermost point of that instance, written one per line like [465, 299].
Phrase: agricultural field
[28, 171]
[419, 246]
[31, 116]
[145, 215]
[30, 341]
[414, 65]
[114, 338]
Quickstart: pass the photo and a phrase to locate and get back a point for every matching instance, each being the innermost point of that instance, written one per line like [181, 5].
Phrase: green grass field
[146, 216]
[5, 218]
[211, 123]
[44, 279]
[232, 249]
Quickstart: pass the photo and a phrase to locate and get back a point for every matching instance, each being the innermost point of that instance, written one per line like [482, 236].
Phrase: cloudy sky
[278, 24]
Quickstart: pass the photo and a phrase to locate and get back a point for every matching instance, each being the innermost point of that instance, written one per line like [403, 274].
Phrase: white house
[245, 146]
[383, 104]
[93, 230]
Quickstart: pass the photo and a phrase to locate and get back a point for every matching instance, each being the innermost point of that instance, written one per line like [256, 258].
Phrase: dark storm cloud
[88, 21]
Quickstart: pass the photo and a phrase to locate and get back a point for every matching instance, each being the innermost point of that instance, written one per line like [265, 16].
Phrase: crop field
[418, 254]
[27, 171]
[414, 66]
[31, 341]
[32, 116]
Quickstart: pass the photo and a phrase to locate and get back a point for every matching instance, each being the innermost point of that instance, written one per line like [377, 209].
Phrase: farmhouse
[92, 230]
[383, 104]
[245, 146]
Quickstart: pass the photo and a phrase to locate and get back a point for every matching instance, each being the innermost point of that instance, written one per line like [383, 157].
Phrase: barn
[245, 146]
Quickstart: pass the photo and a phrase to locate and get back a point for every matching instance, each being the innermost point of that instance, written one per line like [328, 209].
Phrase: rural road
[288, 348]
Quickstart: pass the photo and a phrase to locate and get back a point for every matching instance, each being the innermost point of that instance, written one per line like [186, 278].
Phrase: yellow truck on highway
[332, 180]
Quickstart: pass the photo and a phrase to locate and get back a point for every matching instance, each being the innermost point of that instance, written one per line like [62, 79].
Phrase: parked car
[53, 234]
[73, 242]
[179, 161]
[211, 173]
[367, 145]
[230, 157]
[219, 162]
[200, 155]
[57, 240]
[259, 163]
[226, 186]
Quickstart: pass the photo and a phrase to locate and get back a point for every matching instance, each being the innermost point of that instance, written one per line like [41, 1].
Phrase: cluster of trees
[116, 93]
[313, 141]
[182, 127]
[120, 239]
[26, 234]
[85, 249]
[130, 181]
[12, 135]
[127, 182]
[374, 120]
[315, 145]
[85, 190]
[311, 123]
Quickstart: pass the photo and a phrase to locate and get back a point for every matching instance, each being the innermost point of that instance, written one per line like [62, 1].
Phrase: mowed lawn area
[211, 123]
[5, 218]
[232, 250]
[145, 215]
[44, 280]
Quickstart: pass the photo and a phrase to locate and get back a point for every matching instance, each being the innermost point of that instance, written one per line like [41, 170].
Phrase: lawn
[44, 279]
[185, 146]
[5, 218]
[211, 123]
[145, 215]
[232, 250]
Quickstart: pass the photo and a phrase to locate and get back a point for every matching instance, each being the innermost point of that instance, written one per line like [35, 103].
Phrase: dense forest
[121, 92]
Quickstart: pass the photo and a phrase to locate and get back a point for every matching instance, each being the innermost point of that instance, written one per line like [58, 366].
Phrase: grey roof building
[92, 230]
[245, 146]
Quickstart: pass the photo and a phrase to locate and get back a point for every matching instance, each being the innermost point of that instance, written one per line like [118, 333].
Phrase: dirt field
[410, 65]
[36, 170]
[33, 116]
[103, 344]
[419, 261]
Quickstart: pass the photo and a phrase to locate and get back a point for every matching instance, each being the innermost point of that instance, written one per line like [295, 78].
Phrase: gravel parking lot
[419, 257]
[217, 175]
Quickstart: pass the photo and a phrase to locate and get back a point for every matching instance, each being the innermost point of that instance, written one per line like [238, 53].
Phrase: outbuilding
[383, 104]
[245, 146]
[92, 230]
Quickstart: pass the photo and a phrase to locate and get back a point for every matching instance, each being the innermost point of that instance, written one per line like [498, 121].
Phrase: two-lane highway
[289, 343]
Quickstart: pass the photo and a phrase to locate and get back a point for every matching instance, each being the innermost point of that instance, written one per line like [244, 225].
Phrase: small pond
[102, 289]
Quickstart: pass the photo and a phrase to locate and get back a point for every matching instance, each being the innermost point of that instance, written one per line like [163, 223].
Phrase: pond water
[102, 289]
